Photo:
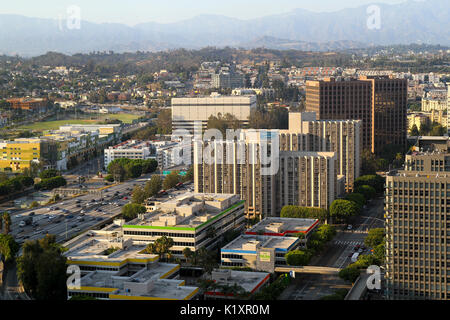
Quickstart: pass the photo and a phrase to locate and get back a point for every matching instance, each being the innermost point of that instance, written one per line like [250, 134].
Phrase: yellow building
[18, 155]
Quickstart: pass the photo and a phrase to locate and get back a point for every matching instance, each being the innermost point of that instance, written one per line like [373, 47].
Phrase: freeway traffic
[74, 215]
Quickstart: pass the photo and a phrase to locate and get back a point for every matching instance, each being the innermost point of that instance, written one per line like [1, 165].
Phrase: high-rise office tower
[380, 102]
[418, 227]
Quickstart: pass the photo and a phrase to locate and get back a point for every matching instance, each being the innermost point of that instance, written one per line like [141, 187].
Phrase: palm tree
[7, 222]
[160, 247]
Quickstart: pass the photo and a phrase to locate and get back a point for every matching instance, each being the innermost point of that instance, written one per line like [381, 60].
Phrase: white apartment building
[343, 137]
[165, 156]
[131, 149]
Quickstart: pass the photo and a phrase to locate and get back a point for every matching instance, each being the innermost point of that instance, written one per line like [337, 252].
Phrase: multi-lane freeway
[66, 219]
[74, 215]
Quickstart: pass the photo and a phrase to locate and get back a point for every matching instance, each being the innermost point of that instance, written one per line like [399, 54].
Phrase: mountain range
[404, 23]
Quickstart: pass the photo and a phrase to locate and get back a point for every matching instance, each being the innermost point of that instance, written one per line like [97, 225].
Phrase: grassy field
[52, 125]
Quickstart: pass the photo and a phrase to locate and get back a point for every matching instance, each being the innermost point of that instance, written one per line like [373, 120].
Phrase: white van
[355, 257]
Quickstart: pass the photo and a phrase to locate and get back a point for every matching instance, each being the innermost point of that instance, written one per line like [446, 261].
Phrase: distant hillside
[404, 23]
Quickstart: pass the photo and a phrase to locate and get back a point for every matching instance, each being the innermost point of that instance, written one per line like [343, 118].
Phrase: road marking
[348, 242]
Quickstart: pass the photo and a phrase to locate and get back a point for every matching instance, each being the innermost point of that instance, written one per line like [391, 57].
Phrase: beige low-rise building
[113, 268]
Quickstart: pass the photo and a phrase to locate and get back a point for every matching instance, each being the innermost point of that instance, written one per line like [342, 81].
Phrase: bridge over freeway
[308, 269]
[74, 191]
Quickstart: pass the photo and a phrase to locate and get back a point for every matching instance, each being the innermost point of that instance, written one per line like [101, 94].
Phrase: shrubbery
[343, 210]
[358, 198]
[367, 191]
[273, 291]
[51, 183]
[15, 184]
[304, 212]
[375, 181]
[314, 245]
[121, 169]
[50, 173]
[130, 211]
[298, 257]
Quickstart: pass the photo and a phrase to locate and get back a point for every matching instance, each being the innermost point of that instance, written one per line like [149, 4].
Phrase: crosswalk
[356, 231]
[348, 242]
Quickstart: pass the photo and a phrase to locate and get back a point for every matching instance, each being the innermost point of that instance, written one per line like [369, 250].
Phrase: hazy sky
[136, 11]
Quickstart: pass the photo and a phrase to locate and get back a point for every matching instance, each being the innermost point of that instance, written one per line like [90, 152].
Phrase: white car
[349, 227]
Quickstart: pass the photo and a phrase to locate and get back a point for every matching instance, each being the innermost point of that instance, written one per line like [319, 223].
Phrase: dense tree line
[15, 184]
[51, 183]
[277, 118]
[223, 123]
[122, 169]
[41, 269]
[428, 129]
[314, 245]
[130, 211]
[50, 179]
[304, 212]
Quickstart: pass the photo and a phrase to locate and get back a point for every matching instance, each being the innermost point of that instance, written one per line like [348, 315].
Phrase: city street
[337, 255]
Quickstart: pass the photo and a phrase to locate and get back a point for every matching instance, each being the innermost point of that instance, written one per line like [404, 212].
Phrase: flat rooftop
[145, 283]
[282, 226]
[93, 249]
[250, 244]
[186, 210]
[249, 281]
[131, 144]
[419, 174]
